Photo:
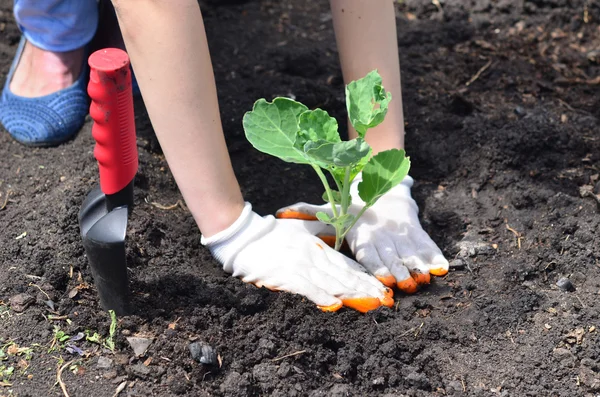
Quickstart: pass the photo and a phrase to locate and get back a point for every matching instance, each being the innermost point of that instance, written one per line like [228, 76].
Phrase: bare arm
[167, 44]
[365, 33]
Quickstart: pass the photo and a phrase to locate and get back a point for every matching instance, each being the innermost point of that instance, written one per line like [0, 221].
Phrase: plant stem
[327, 190]
[345, 191]
[362, 211]
[345, 194]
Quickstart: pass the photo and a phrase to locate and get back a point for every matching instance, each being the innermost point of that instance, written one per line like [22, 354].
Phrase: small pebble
[202, 353]
[139, 345]
[565, 284]
[457, 264]
[520, 111]
[50, 304]
[20, 302]
[140, 371]
[104, 362]
[380, 381]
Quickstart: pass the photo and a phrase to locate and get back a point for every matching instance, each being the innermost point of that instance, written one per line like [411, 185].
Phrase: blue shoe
[48, 120]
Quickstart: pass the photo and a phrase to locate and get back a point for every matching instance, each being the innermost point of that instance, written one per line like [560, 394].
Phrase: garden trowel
[104, 213]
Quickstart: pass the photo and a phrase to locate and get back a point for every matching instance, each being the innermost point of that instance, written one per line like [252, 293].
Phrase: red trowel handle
[114, 123]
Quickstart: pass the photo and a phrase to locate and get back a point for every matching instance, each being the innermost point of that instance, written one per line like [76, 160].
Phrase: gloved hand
[280, 256]
[388, 239]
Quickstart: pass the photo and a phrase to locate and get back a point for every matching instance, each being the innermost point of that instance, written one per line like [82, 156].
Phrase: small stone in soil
[20, 302]
[121, 359]
[119, 379]
[380, 381]
[457, 264]
[203, 353]
[139, 345]
[520, 111]
[104, 362]
[140, 370]
[565, 284]
[50, 304]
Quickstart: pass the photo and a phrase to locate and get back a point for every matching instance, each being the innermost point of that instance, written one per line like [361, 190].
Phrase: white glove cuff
[226, 244]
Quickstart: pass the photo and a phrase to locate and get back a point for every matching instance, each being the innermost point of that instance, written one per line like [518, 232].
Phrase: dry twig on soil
[59, 377]
[518, 235]
[160, 206]
[5, 200]
[288, 355]
[479, 72]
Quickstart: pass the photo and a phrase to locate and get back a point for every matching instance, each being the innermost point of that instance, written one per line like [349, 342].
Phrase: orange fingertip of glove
[389, 280]
[330, 241]
[421, 278]
[387, 301]
[409, 285]
[327, 239]
[440, 271]
[362, 305]
[332, 308]
[290, 214]
[388, 293]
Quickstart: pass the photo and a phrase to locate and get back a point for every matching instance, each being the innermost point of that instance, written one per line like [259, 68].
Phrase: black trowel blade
[104, 235]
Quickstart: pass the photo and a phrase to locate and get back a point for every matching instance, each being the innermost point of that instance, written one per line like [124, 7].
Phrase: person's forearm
[365, 32]
[167, 44]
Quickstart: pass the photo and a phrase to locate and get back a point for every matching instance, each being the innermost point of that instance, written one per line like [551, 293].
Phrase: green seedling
[290, 131]
[6, 373]
[110, 342]
[75, 368]
[58, 340]
[93, 337]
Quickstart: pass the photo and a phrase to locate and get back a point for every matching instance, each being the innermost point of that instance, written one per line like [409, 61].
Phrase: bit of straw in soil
[478, 74]
[8, 192]
[59, 378]
[518, 235]
[289, 355]
[179, 203]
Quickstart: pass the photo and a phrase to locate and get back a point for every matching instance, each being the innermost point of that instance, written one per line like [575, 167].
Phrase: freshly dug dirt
[502, 107]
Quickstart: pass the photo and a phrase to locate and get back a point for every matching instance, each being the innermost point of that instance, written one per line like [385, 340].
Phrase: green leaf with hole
[367, 102]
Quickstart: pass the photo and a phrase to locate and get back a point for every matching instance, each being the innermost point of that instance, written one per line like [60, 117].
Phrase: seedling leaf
[323, 217]
[345, 220]
[110, 341]
[367, 102]
[339, 172]
[384, 171]
[271, 127]
[337, 197]
[339, 154]
[316, 125]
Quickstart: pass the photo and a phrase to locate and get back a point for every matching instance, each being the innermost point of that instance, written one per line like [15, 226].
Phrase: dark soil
[502, 107]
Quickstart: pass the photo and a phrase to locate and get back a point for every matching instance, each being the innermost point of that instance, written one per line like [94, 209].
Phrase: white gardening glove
[280, 256]
[388, 239]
